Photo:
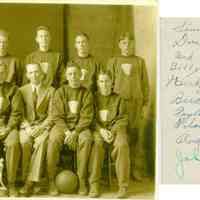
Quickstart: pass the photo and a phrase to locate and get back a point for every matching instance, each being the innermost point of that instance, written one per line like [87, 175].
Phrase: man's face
[34, 74]
[82, 46]
[73, 75]
[43, 39]
[2, 73]
[104, 84]
[126, 46]
[3, 45]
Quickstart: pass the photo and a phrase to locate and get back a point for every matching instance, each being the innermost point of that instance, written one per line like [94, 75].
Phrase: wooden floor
[137, 190]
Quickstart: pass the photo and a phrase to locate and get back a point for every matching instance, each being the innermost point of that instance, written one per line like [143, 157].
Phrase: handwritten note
[180, 99]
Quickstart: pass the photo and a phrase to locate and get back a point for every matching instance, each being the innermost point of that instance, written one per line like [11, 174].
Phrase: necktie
[34, 99]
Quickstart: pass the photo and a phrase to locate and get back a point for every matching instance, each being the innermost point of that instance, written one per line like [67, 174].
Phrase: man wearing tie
[50, 61]
[37, 99]
[10, 117]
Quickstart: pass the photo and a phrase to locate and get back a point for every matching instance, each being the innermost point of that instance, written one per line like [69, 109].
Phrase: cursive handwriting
[186, 27]
[186, 138]
[180, 55]
[181, 158]
[177, 81]
[190, 119]
[181, 98]
[185, 40]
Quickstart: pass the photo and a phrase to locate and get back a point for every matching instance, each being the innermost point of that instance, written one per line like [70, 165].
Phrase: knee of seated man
[12, 139]
[85, 137]
[56, 135]
[121, 140]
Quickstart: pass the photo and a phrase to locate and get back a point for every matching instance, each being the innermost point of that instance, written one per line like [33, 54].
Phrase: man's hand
[37, 131]
[4, 132]
[106, 135]
[71, 139]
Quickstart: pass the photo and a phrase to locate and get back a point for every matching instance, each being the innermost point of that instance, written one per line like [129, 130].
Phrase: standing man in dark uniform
[51, 62]
[88, 64]
[13, 67]
[10, 117]
[129, 75]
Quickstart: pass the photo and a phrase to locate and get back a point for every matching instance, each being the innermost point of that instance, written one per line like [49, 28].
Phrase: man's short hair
[45, 28]
[125, 35]
[104, 72]
[83, 34]
[4, 33]
[38, 64]
[72, 64]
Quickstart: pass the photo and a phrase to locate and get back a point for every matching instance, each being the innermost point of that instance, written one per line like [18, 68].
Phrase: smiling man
[35, 126]
[50, 61]
[72, 114]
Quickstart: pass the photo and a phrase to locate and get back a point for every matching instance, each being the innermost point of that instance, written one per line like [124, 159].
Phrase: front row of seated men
[36, 121]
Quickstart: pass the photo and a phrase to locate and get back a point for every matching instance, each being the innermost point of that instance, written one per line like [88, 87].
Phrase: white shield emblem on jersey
[103, 115]
[73, 106]
[44, 66]
[1, 103]
[126, 67]
[83, 74]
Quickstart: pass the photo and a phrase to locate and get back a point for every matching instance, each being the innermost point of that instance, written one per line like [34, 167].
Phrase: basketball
[66, 182]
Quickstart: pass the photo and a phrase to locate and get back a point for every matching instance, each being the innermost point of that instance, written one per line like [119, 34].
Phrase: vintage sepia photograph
[78, 100]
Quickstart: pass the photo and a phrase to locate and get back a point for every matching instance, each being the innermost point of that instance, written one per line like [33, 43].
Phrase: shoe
[27, 189]
[53, 191]
[83, 191]
[12, 191]
[122, 193]
[94, 190]
[137, 177]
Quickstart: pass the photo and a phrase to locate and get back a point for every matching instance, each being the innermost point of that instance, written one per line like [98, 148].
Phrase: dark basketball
[67, 182]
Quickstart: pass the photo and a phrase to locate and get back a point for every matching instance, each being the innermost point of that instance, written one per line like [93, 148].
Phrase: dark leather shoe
[83, 191]
[12, 191]
[94, 190]
[53, 191]
[122, 193]
[27, 189]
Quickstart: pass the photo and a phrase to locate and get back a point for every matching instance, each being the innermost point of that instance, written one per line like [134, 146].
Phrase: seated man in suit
[10, 115]
[72, 115]
[111, 120]
[35, 126]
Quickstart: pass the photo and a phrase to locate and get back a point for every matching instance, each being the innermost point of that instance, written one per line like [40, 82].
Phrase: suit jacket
[44, 104]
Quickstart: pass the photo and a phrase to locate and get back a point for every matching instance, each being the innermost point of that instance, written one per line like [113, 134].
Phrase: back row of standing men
[71, 110]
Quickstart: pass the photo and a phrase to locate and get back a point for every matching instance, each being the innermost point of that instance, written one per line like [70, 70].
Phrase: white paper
[180, 99]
